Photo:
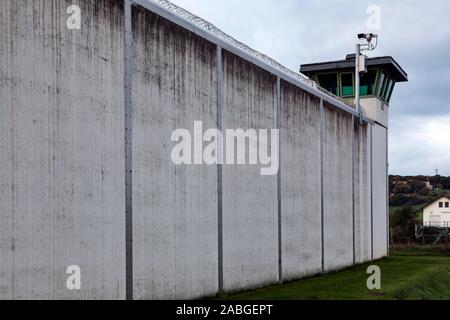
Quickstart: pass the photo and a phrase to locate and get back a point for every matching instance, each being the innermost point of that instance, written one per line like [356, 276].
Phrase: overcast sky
[415, 32]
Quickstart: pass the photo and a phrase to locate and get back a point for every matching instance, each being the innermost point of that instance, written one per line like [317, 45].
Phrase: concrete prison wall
[301, 183]
[174, 207]
[87, 178]
[380, 189]
[337, 175]
[362, 195]
[250, 205]
[61, 150]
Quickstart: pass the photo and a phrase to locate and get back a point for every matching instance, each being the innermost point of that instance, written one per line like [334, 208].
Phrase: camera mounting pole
[357, 84]
[360, 66]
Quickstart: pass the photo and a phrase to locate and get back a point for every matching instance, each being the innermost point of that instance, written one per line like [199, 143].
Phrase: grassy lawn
[409, 274]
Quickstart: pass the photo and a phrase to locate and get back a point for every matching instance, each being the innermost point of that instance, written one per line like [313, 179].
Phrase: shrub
[404, 216]
[424, 191]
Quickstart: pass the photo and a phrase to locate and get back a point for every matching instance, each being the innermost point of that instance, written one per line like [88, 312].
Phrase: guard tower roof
[388, 63]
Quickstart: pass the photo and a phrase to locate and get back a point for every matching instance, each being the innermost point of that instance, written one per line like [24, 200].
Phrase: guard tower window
[381, 83]
[390, 93]
[368, 81]
[387, 89]
[329, 82]
[347, 84]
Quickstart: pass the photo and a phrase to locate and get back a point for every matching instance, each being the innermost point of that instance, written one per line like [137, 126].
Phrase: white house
[437, 213]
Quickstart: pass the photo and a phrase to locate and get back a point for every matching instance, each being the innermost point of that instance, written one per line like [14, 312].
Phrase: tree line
[415, 190]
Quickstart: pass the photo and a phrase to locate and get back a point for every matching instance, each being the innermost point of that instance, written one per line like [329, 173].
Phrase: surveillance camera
[368, 36]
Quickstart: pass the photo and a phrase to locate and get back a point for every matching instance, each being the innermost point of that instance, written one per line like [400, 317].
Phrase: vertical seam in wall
[371, 189]
[279, 125]
[128, 42]
[387, 192]
[353, 187]
[322, 134]
[219, 170]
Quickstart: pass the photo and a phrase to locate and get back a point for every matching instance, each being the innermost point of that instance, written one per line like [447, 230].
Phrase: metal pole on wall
[357, 82]
[353, 188]
[219, 170]
[322, 137]
[387, 192]
[360, 66]
[371, 189]
[128, 43]
[279, 125]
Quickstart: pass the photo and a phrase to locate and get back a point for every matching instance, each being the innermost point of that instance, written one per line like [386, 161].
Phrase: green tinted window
[367, 84]
[385, 89]
[390, 93]
[347, 84]
[329, 82]
[380, 83]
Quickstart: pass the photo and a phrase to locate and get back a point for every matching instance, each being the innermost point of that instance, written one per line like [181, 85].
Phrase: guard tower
[376, 84]
[377, 81]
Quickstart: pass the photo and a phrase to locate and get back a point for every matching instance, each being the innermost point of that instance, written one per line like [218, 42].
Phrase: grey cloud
[416, 33]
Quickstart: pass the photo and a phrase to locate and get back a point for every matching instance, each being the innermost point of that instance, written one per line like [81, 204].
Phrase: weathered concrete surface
[250, 209]
[379, 191]
[62, 188]
[174, 207]
[338, 219]
[61, 150]
[300, 184]
[363, 245]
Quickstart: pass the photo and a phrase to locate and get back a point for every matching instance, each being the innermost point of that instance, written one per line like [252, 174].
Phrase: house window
[347, 84]
[447, 204]
[441, 204]
[329, 82]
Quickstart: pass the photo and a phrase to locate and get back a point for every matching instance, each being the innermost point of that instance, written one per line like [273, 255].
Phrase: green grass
[409, 274]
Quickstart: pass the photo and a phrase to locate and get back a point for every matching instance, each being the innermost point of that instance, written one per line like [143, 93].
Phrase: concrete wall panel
[379, 191]
[174, 207]
[250, 208]
[300, 184]
[61, 150]
[363, 245]
[62, 164]
[338, 235]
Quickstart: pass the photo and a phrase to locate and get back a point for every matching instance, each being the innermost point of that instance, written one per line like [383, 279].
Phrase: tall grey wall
[61, 150]
[250, 207]
[174, 207]
[196, 229]
[379, 149]
[301, 189]
[337, 175]
[362, 178]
